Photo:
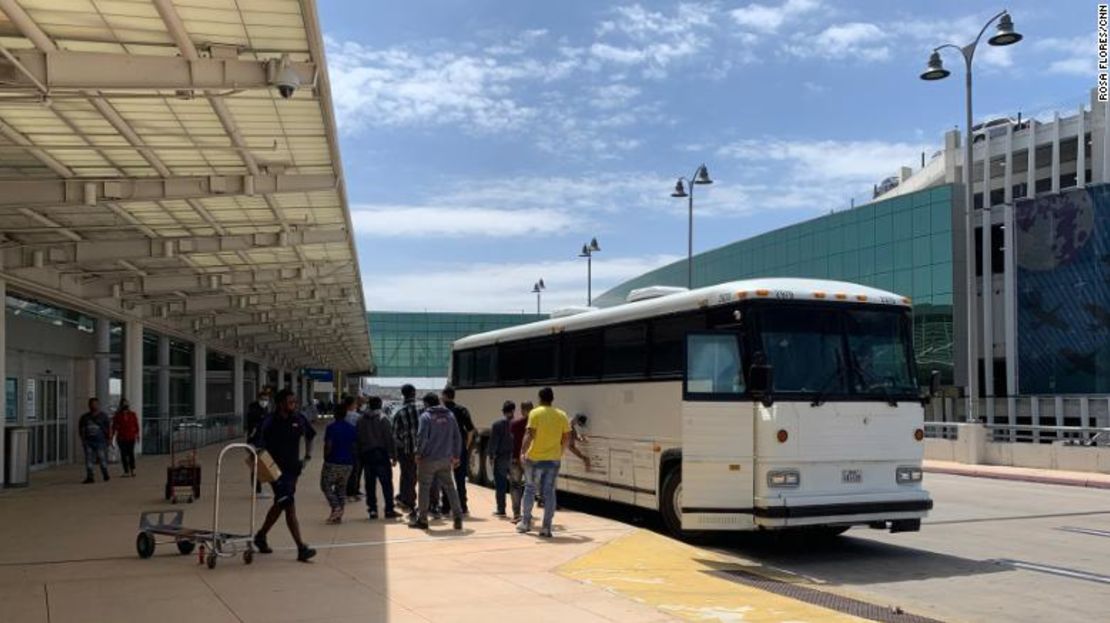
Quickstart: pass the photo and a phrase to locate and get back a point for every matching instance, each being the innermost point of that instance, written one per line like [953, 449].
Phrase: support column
[281, 379]
[262, 370]
[133, 373]
[986, 303]
[237, 376]
[103, 359]
[163, 377]
[4, 377]
[200, 379]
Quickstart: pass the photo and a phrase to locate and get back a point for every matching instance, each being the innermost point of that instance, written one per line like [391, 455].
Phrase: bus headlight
[907, 475]
[784, 478]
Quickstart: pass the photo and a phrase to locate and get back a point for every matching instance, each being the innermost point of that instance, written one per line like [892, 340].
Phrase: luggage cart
[183, 472]
[213, 543]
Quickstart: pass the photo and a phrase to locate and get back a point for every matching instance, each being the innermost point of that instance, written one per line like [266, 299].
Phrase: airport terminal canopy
[176, 161]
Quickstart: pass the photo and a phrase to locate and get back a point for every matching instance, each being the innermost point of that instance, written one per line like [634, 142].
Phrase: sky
[485, 141]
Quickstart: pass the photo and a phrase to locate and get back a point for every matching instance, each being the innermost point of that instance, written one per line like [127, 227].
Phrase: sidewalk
[67, 553]
[1025, 474]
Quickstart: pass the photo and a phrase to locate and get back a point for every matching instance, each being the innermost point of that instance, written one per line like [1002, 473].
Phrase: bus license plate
[851, 476]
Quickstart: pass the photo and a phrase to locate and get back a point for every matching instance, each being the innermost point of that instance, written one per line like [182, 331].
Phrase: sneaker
[524, 526]
[546, 533]
[261, 546]
[304, 553]
[458, 523]
[418, 525]
[436, 515]
[392, 515]
[88, 480]
[499, 513]
[373, 515]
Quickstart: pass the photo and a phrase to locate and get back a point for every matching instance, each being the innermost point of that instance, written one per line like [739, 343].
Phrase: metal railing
[942, 430]
[1038, 433]
[1092, 436]
[200, 431]
[1060, 410]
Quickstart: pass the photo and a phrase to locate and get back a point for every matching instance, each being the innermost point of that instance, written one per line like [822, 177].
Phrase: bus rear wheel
[475, 463]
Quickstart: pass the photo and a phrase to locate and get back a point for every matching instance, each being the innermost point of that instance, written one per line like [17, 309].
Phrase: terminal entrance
[45, 411]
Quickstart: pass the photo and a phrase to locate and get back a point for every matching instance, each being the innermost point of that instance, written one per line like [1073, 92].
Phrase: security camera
[287, 82]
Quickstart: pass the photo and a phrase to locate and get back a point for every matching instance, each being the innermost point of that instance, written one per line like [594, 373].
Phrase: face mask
[264, 403]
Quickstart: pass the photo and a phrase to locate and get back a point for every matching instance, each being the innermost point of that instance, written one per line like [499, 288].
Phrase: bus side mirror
[760, 381]
[934, 388]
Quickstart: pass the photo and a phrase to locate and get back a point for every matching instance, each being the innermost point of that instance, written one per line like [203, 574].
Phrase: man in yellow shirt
[545, 440]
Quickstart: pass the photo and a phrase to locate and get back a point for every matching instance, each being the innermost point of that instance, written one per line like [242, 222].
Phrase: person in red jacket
[125, 432]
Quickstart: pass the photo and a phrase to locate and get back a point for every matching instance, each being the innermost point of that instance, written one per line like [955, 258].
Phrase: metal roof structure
[176, 161]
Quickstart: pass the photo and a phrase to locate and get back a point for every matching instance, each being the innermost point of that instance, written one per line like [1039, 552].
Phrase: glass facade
[902, 244]
[418, 344]
[1063, 311]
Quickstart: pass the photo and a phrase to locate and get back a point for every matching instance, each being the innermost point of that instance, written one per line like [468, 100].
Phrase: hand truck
[214, 544]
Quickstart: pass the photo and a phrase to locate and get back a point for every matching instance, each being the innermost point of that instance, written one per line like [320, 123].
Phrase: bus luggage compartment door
[717, 436]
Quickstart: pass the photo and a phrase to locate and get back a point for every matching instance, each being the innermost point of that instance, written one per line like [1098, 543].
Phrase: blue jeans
[540, 474]
[96, 454]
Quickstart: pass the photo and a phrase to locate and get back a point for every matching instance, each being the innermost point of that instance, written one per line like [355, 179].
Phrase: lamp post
[700, 177]
[587, 252]
[538, 288]
[935, 71]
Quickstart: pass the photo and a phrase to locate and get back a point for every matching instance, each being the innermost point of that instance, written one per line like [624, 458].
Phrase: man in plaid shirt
[405, 423]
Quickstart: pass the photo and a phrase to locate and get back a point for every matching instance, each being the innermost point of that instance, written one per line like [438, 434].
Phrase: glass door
[46, 413]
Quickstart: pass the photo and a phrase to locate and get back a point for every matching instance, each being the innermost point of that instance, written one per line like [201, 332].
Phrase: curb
[1046, 480]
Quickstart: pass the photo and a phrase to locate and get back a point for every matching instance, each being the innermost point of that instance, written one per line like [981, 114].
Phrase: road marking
[1090, 531]
[1060, 571]
[688, 582]
[945, 522]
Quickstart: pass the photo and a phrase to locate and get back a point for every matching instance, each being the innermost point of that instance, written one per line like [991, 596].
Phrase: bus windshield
[849, 353]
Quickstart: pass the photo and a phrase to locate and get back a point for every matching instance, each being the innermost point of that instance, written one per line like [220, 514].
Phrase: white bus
[750, 405]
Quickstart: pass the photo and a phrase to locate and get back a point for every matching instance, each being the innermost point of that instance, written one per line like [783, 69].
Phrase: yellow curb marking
[679, 580]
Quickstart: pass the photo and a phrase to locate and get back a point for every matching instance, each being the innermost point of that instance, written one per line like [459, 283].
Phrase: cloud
[816, 175]
[397, 87]
[764, 18]
[1074, 55]
[518, 206]
[856, 40]
[653, 40]
[501, 287]
[405, 221]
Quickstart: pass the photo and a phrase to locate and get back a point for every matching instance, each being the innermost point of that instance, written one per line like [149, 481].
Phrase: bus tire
[670, 500]
[475, 462]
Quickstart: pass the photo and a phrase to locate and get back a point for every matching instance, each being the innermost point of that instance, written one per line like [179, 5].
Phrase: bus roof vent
[652, 292]
[573, 310]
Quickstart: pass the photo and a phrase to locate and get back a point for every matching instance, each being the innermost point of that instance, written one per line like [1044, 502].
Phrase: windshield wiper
[837, 375]
[866, 378]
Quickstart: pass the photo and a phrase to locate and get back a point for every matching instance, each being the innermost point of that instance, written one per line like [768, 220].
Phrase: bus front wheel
[670, 502]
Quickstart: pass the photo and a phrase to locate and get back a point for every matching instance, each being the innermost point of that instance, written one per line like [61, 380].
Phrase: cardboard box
[268, 471]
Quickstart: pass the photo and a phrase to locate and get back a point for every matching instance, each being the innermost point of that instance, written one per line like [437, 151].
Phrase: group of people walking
[430, 442]
[99, 433]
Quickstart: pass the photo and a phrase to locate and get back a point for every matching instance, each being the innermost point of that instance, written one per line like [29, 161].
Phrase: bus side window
[713, 365]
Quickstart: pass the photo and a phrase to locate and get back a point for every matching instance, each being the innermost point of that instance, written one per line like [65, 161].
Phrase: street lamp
[935, 70]
[701, 176]
[537, 288]
[587, 252]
